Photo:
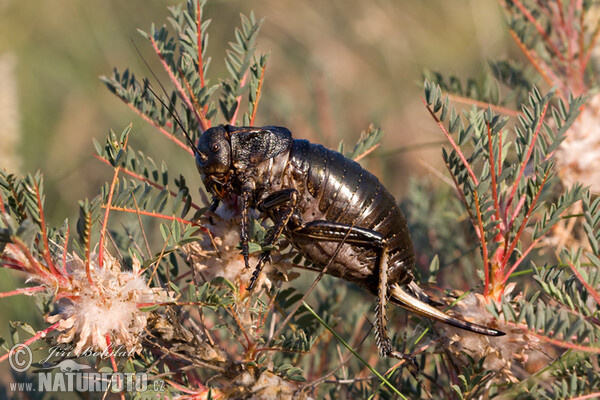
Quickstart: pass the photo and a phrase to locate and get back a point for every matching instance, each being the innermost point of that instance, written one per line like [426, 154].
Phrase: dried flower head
[96, 314]
[500, 352]
[219, 256]
[108, 308]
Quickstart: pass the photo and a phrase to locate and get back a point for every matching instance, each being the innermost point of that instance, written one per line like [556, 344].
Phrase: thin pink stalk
[461, 195]
[566, 345]
[493, 171]
[258, 93]
[175, 81]
[163, 216]
[482, 104]
[590, 289]
[46, 252]
[105, 221]
[453, 144]
[484, 250]
[113, 362]
[199, 40]
[204, 122]
[366, 152]
[525, 220]
[539, 28]
[516, 211]
[146, 180]
[64, 256]
[238, 100]
[27, 290]
[581, 51]
[35, 268]
[588, 50]
[185, 389]
[560, 13]
[529, 152]
[39, 335]
[587, 396]
[162, 130]
[538, 64]
[523, 256]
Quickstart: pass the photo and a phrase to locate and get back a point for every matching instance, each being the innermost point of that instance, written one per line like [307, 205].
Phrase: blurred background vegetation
[334, 68]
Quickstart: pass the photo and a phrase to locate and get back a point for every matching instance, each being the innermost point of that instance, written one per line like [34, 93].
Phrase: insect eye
[215, 148]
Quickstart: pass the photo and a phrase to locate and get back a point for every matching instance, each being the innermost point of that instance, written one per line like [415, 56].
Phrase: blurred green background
[334, 67]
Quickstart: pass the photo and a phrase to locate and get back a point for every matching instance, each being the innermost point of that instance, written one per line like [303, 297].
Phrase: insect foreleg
[336, 232]
[213, 207]
[280, 206]
[247, 191]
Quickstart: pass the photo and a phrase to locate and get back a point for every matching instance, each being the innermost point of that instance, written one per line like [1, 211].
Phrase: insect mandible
[318, 199]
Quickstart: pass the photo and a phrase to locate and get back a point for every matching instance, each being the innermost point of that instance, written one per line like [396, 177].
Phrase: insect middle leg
[280, 206]
[336, 232]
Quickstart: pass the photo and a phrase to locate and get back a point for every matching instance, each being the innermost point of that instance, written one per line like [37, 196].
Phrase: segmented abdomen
[337, 189]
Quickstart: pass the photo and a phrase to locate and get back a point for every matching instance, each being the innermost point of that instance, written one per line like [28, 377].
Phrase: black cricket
[319, 199]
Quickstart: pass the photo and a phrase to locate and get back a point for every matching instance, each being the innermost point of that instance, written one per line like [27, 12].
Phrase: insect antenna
[171, 107]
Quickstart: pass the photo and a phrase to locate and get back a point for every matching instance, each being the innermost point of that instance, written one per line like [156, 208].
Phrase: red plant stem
[554, 81]
[175, 81]
[539, 28]
[590, 47]
[528, 155]
[461, 195]
[113, 362]
[64, 256]
[146, 180]
[46, 252]
[2, 205]
[105, 221]
[366, 152]
[199, 40]
[35, 267]
[34, 338]
[88, 244]
[258, 93]
[525, 220]
[484, 250]
[11, 265]
[566, 345]
[166, 133]
[590, 289]
[581, 71]
[587, 396]
[560, 13]
[500, 154]
[482, 104]
[238, 100]
[452, 143]
[160, 257]
[516, 212]
[493, 171]
[163, 216]
[204, 123]
[185, 389]
[239, 324]
[523, 256]
[27, 290]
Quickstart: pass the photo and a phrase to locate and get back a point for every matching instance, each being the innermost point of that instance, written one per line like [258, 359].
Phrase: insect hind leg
[336, 232]
[383, 340]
